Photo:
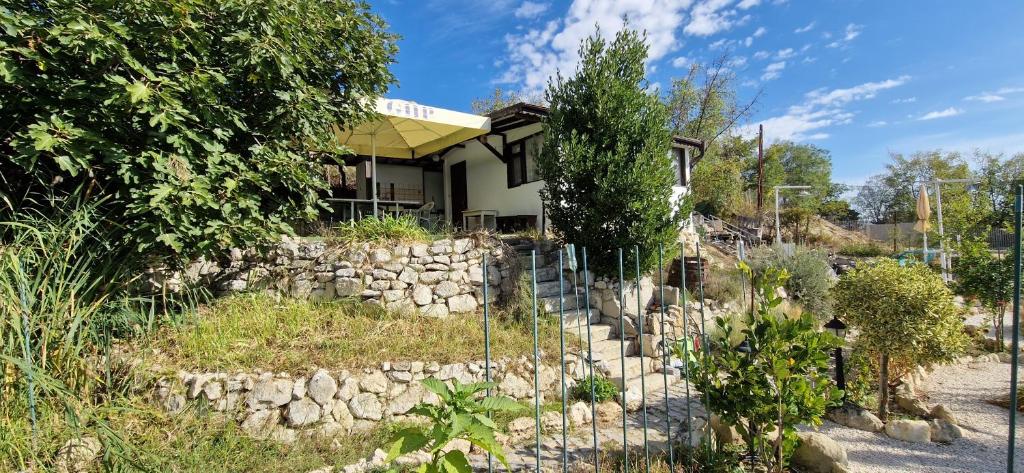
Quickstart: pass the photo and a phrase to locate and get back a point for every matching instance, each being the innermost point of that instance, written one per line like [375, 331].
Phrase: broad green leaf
[500, 403]
[438, 387]
[137, 92]
[455, 462]
[408, 440]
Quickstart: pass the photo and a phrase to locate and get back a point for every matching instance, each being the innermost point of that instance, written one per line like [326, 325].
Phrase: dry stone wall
[286, 407]
[436, 278]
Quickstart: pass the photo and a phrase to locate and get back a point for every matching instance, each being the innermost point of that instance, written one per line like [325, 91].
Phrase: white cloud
[804, 29]
[997, 96]
[747, 4]
[759, 32]
[851, 33]
[773, 70]
[681, 61]
[878, 123]
[905, 100]
[738, 62]
[530, 9]
[820, 110]
[808, 60]
[985, 97]
[762, 55]
[785, 53]
[949, 112]
[720, 44]
[709, 17]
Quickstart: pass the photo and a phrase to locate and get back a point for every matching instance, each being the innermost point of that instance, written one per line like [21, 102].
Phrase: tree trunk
[883, 388]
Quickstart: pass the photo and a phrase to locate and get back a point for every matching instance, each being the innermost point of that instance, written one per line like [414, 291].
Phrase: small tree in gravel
[984, 276]
[904, 314]
[605, 160]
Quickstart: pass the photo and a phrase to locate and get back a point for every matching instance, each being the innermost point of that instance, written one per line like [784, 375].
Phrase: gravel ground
[963, 388]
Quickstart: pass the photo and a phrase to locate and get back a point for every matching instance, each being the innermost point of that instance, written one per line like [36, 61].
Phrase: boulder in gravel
[940, 411]
[943, 431]
[912, 406]
[909, 430]
[856, 417]
[819, 454]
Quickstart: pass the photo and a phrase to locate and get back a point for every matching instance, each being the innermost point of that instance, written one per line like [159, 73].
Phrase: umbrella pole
[373, 171]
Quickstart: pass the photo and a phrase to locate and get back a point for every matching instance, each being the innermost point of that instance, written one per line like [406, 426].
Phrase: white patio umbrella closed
[407, 130]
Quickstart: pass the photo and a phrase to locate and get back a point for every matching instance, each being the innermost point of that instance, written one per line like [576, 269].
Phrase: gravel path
[963, 388]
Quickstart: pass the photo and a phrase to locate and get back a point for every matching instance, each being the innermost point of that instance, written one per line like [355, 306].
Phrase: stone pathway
[581, 441]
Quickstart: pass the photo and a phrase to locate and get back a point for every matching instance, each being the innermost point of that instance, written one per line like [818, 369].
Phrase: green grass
[155, 441]
[378, 230]
[256, 332]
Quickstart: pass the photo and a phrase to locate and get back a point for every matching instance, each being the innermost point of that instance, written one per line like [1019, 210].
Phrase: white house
[494, 174]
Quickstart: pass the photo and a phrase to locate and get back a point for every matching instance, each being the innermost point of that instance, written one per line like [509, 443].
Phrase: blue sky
[860, 78]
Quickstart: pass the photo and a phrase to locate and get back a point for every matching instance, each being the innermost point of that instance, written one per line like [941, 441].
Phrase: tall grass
[65, 281]
[385, 229]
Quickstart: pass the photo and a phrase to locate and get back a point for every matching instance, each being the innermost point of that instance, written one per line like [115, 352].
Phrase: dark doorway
[460, 196]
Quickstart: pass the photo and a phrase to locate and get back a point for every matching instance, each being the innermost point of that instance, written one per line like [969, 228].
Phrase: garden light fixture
[838, 328]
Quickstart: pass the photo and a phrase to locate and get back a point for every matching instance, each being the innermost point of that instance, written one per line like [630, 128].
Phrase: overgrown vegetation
[810, 275]
[863, 250]
[603, 389]
[384, 229]
[905, 315]
[250, 331]
[776, 379]
[198, 119]
[461, 414]
[725, 285]
[605, 160]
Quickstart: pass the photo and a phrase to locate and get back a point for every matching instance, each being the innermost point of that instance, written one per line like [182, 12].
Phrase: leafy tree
[987, 277]
[461, 414]
[876, 200]
[717, 186]
[782, 382]
[997, 181]
[810, 276]
[501, 99]
[902, 313]
[605, 161]
[194, 121]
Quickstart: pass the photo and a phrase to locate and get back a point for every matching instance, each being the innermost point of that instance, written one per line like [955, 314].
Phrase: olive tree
[193, 122]
[605, 159]
[902, 313]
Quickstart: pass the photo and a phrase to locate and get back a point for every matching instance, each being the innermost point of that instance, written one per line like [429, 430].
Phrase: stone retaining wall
[436, 278]
[283, 406]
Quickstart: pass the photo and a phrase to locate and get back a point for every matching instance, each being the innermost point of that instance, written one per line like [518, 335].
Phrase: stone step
[652, 381]
[554, 288]
[633, 364]
[609, 350]
[598, 332]
[546, 274]
[574, 320]
[525, 263]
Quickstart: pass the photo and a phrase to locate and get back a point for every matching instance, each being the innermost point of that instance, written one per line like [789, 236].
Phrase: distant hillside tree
[503, 98]
[605, 159]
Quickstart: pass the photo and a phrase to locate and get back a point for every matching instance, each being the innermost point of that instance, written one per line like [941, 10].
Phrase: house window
[682, 166]
[520, 161]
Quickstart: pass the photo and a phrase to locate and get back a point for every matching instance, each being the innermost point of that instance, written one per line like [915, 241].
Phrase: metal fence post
[622, 359]
[705, 349]
[686, 349]
[664, 353]
[1015, 345]
[487, 347]
[590, 360]
[536, 353]
[641, 320]
[561, 342]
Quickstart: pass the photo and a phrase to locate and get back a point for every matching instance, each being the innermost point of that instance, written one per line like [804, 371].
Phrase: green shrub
[863, 250]
[725, 285]
[201, 120]
[810, 275]
[782, 382]
[606, 157]
[461, 415]
[902, 313]
[385, 229]
[604, 389]
[982, 275]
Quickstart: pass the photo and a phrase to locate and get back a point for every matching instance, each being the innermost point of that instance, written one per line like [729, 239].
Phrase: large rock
[515, 387]
[943, 431]
[856, 417]
[909, 430]
[819, 454]
[78, 454]
[366, 406]
[406, 401]
[912, 405]
[375, 383]
[422, 295]
[434, 310]
[579, 414]
[322, 387]
[303, 412]
[259, 424]
[609, 413]
[272, 392]
[462, 303]
[339, 410]
[942, 412]
[724, 432]
[446, 289]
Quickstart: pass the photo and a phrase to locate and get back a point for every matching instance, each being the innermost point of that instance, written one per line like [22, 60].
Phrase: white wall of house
[487, 180]
[406, 177]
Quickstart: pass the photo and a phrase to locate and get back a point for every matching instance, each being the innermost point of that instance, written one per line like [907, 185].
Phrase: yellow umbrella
[408, 130]
[924, 212]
